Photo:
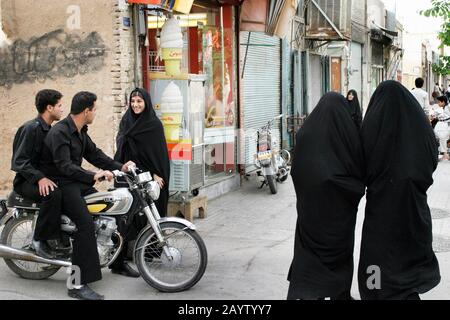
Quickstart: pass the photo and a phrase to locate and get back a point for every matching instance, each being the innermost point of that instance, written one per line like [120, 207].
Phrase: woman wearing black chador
[141, 139]
[354, 107]
[328, 178]
[397, 259]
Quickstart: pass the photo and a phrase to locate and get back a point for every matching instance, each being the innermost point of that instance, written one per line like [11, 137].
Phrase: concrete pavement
[249, 235]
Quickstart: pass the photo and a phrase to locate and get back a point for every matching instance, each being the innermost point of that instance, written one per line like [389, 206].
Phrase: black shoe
[126, 270]
[42, 249]
[85, 293]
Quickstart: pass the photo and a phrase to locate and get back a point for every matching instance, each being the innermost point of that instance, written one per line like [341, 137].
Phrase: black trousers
[48, 225]
[85, 254]
[131, 229]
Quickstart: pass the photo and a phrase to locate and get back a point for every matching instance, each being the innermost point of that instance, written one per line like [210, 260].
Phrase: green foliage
[441, 8]
[443, 67]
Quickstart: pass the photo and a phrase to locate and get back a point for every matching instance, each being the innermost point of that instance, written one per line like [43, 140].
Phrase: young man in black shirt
[30, 182]
[65, 147]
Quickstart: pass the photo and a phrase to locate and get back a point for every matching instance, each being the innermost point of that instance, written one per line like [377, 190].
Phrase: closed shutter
[261, 99]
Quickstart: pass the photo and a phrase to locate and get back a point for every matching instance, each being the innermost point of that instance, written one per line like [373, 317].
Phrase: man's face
[90, 114]
[56, 111]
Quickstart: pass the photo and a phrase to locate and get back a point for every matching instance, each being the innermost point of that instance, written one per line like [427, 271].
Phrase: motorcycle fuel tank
[115, 202]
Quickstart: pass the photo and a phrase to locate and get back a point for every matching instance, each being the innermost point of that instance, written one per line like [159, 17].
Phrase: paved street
[249, 236]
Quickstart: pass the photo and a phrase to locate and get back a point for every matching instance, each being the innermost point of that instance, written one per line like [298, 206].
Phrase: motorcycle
[169, 253]
[272, 163]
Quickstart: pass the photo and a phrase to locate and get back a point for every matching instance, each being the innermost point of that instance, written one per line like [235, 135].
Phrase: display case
[186, 145]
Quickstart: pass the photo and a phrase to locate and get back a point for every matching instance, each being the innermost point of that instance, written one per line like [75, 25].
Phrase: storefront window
[209, 41]
[217, 48]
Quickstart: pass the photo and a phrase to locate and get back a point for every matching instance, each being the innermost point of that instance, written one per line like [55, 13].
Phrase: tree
[441, 8]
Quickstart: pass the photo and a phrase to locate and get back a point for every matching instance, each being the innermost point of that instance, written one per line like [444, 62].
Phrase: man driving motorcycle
[65, 147]
[30, 181]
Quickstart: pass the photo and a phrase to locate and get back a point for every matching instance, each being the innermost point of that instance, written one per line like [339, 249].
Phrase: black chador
[355, 108]
[328, 177]
[141, 139]
[401, 154]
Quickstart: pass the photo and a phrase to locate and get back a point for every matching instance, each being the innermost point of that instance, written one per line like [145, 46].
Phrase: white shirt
[422, 97]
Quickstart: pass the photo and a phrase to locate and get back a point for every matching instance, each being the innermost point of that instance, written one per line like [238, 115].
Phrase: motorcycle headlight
[153, 190]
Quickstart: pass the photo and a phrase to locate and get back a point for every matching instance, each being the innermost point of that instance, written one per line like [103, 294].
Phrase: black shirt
[64, 150]
[27, 149]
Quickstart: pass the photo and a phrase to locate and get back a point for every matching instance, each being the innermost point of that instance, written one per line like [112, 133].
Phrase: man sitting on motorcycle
[30, 182]
[65, 147]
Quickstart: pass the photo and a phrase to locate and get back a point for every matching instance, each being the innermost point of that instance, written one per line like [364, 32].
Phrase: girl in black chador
[354, 107]
[328, 177]
[141, 139]
[397, 259]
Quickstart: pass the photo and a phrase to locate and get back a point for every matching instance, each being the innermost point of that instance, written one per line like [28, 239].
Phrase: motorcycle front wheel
[18, 234]
[186, 264]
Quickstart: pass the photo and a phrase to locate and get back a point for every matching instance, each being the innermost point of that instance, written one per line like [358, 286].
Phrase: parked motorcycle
[169, 253]
[272, 163]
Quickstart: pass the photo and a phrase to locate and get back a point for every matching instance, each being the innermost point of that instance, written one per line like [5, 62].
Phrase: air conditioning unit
[319, 15]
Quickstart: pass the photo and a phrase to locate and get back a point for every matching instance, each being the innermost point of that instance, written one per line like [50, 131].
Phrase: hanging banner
[183, 6]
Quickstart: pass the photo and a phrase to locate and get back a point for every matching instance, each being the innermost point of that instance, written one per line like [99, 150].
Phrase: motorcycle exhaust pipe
[17, 254]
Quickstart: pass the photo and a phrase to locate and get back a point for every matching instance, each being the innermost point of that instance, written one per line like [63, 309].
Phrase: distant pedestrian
[354, 108]
[447, 93]
[397, 261]
[421, 95]
[437, 89]
[327, 172]
[442, 117]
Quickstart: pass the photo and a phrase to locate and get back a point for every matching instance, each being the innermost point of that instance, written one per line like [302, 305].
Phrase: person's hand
[159, 180]
[45, 185]
[125, 167]
[103, 175]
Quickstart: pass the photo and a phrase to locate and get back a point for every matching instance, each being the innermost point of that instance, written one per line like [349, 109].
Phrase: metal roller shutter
[261, 98]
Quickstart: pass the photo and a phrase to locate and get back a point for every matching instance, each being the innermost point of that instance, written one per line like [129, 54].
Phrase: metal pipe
[7, 252]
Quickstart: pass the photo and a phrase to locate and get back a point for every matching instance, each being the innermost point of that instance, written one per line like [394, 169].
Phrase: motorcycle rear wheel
[271, 181]
[189, 258]
[18, 234]
[284, 178]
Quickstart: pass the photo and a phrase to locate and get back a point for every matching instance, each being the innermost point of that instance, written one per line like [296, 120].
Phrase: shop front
[201, 139]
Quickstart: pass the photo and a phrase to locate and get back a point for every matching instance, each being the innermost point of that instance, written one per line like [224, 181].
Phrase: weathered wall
[67, 45]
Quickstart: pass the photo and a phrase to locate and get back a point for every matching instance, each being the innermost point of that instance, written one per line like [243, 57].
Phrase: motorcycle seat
[17, 201]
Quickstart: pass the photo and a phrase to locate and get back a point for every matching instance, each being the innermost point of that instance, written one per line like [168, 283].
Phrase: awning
[390, 32]
[378, 36]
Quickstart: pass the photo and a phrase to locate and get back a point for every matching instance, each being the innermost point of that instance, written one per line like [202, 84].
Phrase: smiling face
[137, 104]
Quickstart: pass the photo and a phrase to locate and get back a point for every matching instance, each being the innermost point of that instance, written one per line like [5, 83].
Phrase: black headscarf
[401, 154]
[141, 139]
[355, 108]
[328, 177]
